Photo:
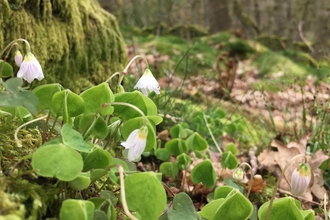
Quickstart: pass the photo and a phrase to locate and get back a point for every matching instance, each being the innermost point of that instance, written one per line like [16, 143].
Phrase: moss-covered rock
[272, 42]
[76, 41]
[187, 31]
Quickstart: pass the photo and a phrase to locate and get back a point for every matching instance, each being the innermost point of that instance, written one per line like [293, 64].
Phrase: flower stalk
[9, 46]
[123, 195]
[113, 75]
[129, 64]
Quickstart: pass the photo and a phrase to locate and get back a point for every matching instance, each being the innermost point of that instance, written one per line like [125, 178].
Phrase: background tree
[285, 21]
[218, 15]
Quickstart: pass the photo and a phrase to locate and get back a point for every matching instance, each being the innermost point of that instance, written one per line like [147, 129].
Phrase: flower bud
[120, 89]
[300, 179]
[238, 174]
[18, 58]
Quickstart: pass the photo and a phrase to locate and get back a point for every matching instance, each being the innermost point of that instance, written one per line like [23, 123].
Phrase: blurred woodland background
[276, 23]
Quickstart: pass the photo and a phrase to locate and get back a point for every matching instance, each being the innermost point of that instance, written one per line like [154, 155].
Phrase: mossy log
[76, 41]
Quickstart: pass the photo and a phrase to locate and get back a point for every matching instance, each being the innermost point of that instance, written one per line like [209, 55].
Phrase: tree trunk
[321, 30]
[249, 27]
[218, 15]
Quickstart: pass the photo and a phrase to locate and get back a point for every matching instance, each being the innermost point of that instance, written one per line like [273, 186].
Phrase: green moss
[270, 63]
[21, 196]
[300, 57]
[272, 42]
[215, 39]
[72, 39]
[187, 31]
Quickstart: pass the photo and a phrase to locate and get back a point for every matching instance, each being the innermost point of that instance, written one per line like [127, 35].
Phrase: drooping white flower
[300, 179]
[147, 83]
[136, 143]
[30, 68]
[18, 58]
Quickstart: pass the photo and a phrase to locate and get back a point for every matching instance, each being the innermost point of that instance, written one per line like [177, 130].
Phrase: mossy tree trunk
[76, 41]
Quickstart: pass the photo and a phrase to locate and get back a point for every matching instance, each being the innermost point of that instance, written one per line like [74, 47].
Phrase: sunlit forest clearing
[177, 109]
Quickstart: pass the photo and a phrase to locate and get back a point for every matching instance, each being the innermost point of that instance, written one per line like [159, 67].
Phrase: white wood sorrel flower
[30, 68]
[136, 143]
[147, 83]
[300, 179]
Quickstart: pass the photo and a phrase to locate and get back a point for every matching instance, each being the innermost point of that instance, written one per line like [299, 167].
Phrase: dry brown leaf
[258, 184]
[266, 160]
[315, 161]
[285, 153]
[163, 135]
[301, 143]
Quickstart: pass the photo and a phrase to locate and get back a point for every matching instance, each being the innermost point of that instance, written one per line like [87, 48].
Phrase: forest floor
[291, 114]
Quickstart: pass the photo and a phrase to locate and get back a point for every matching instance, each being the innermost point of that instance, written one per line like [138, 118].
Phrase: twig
[301, 34]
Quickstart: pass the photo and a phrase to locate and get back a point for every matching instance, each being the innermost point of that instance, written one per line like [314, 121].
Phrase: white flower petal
[147, 83]
[136, 143]
[300, 179]
[30, 69]
[132, 138]
[22, 70]
[136, 150]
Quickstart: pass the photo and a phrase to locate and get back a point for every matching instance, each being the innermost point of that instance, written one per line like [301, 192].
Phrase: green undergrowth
[198, 56]
[293, 64]
[223, 118]
[278, 69]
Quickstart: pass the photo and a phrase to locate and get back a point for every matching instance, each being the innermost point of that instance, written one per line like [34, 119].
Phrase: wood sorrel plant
[81, 149]
[79, 170]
